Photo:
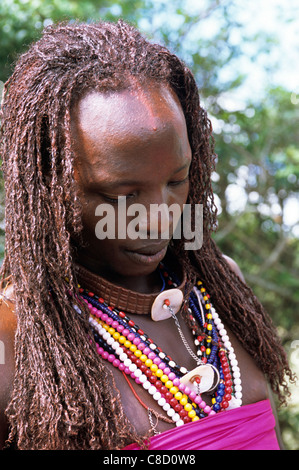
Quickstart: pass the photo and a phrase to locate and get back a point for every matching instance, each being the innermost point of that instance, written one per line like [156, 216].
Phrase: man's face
[134, 144]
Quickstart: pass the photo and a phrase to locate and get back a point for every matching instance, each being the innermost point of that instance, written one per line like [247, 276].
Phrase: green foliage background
[257, 142]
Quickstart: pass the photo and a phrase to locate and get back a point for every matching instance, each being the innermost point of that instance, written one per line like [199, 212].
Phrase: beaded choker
[124, 299]
[120, 341]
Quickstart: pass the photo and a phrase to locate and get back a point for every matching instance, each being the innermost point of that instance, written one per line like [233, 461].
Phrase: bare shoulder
[8, 324]
[7, 300]
[234, 266]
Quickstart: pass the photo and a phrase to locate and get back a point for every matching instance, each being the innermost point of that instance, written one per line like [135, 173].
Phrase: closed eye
[114, 200]
[178, 183]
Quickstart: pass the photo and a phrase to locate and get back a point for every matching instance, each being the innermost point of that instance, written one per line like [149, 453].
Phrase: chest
[180, 347]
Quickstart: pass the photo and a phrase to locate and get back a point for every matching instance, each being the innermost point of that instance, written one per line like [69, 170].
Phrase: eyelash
[172, 183]
[177, 183]
[111, 200]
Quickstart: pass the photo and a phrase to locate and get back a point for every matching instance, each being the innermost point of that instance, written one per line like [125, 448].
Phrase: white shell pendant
[166, 304]
[203, 378]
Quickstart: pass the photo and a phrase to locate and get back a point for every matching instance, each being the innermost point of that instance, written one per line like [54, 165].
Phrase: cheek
[107, 248]
[88, 215]
[186, 193]
[180, 195]
[100, 224]
[89, 219]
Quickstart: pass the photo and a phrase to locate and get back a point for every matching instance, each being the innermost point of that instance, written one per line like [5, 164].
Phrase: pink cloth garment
[250, 427]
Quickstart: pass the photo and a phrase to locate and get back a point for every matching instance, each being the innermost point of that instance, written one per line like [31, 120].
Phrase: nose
[162, 215]
[159, 221]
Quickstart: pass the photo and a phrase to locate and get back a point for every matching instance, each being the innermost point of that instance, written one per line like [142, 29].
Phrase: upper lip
[150, 249]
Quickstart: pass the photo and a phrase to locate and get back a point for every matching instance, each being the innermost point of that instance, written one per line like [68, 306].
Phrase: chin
[131, 270]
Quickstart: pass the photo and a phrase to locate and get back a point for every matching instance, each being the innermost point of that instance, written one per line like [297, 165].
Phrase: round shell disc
[160, 311]
[207, 376]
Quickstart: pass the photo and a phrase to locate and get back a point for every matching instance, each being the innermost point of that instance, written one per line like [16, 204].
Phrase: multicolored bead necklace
[128, 348]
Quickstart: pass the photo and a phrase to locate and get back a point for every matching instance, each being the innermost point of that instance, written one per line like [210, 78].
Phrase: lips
[151, 249]
[147, 255]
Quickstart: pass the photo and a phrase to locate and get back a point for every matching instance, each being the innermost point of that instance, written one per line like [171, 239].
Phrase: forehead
[122, 111]
[113, 130]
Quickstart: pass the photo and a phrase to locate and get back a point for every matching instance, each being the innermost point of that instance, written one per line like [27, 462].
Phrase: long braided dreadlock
[63, 396]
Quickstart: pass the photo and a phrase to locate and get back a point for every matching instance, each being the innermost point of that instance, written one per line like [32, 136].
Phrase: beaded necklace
[120, 341]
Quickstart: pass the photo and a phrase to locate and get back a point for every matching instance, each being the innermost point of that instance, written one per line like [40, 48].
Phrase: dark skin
[121, 139]
[133, 144]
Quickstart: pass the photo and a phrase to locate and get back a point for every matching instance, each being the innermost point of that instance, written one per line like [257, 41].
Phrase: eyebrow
[187, 164]
[118, 183]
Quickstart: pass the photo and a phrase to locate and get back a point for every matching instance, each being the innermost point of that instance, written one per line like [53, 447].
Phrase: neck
[120, 296]
[148, 284]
